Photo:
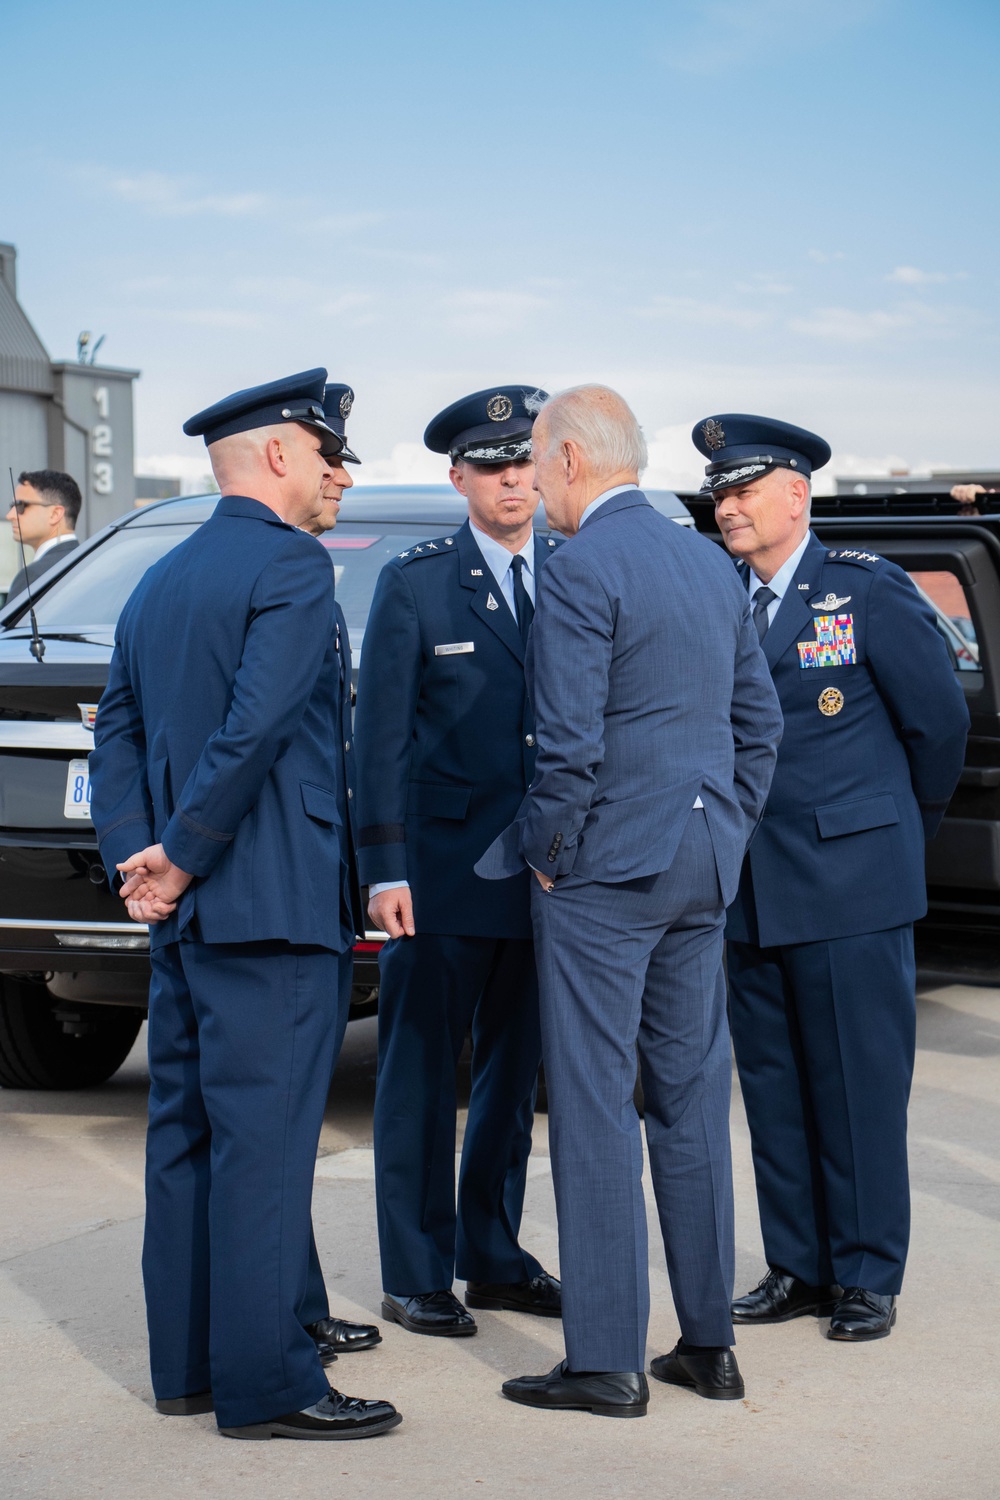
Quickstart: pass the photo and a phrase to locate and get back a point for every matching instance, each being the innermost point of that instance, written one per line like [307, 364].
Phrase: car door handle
[981, 776]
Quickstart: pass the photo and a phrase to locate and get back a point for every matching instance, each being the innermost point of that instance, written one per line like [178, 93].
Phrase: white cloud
[180, 197]
[911, 276]
[408, 463]
[846, 325]
[674, 461]
[491, 311]
[192, 469]
[824, 257]
[707, 314]
[723, 34]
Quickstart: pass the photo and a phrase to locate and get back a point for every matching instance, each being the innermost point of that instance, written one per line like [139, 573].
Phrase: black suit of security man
[820, 937]
[446, 752]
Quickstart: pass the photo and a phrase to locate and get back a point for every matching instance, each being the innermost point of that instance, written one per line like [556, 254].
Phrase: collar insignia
[491, 603]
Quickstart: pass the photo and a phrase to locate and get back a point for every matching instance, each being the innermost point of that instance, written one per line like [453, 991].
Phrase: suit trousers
[316, 1304]
[638, 962]
[242, 1042]
[824, 1035]
[434, 989]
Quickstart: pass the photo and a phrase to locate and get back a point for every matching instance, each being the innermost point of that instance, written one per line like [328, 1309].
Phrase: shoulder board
[440, 546]
[854, 555]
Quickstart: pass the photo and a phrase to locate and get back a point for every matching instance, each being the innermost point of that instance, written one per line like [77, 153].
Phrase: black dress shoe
[333, 1416]
[861, 1315]
[438, 1313]
[187, 1406]
[716, 1376]
[613, 1393]
[779, 1297]
[333, 1336]
[542, 1295]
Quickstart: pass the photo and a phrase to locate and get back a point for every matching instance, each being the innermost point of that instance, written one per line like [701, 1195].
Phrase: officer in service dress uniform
[219, 789]
[820, 937]
[446, 751]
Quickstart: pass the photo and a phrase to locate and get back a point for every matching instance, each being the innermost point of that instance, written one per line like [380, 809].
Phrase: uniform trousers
[434, 989]
[824, 1035]
[242, 1042]
[638, 962]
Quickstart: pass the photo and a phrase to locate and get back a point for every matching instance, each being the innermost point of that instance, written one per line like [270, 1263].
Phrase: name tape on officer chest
[834, 644]
[455, 648]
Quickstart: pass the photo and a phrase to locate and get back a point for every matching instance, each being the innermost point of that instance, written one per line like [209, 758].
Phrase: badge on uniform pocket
[834, 644]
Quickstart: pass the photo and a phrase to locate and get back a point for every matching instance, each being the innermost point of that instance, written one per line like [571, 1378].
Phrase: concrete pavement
[914, 1416]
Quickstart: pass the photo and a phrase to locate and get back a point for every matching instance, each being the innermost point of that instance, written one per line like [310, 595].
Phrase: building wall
[23, 445]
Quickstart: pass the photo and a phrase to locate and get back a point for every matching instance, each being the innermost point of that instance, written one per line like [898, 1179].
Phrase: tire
[41, 1048]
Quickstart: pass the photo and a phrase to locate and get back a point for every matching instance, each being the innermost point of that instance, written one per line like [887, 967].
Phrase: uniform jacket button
[347, 744]
[350, 791]
[529, 740]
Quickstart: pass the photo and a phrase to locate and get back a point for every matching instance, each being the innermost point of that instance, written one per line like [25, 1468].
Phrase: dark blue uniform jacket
[874, 741]
[222, 732]
[445, 737]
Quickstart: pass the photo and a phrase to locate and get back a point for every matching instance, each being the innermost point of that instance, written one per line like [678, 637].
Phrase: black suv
[74, 970]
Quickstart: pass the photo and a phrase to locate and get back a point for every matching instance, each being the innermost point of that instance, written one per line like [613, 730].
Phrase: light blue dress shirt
[781, 581]
[499, 559]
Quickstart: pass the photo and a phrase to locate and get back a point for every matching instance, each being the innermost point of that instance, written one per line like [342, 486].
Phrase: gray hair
[600, 421]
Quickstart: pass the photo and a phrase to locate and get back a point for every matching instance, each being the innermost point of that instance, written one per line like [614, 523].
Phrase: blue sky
[783, 206]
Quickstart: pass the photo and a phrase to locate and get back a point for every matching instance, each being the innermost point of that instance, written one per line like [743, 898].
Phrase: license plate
[77, 804]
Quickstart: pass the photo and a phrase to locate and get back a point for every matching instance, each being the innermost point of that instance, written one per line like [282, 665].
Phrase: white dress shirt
[781, 581]
[54, 541]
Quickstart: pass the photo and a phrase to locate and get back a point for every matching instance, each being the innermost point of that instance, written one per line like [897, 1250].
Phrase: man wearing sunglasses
[43, 516]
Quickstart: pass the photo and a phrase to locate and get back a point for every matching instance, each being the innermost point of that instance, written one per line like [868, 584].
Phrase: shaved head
[281, 466]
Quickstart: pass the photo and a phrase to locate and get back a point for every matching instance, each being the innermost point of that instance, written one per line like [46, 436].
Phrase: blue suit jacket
[445, 737]
[840, 849]
[221, 733]
[650, 689]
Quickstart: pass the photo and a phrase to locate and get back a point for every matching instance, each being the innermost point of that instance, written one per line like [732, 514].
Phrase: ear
[277, 460]
[458, 480]
[572, 459]
[798, 491]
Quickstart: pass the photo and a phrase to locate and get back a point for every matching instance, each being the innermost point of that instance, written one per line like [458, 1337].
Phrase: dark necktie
[522, 600]
[761, 600]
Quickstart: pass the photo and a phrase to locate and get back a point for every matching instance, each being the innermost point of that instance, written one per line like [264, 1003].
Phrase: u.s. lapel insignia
[804, 588]
[491, 603]
[830, 702]
[477, 572]
[830, 603]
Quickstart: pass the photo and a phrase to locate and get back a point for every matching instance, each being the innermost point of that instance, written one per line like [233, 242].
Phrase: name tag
[457, 648]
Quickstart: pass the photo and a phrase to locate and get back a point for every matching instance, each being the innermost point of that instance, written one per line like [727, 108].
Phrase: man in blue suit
[446, 746]
[657, 728]
[820, 937]
[219, 793]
